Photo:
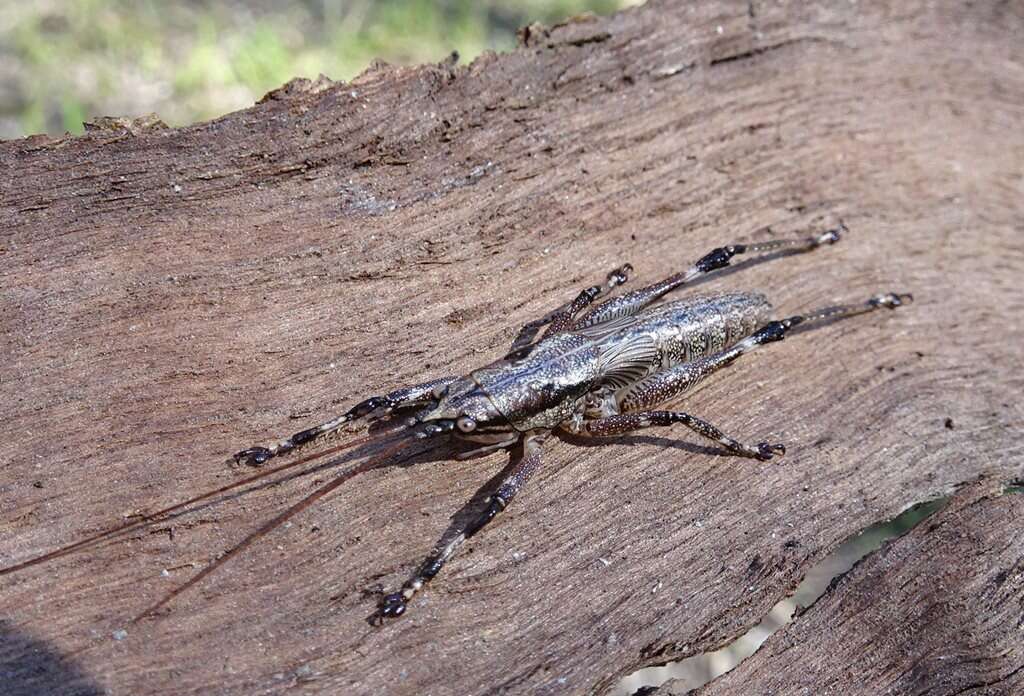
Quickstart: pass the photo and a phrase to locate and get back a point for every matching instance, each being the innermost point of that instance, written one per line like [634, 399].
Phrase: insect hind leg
[635, 301]
[394, 604]
[375, 405]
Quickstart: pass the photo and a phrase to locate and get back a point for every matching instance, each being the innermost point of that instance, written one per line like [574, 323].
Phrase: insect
[595, 371]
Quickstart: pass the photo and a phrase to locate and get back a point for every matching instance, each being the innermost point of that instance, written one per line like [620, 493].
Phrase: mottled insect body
[675, 334]
[592, 373]
[566, 374]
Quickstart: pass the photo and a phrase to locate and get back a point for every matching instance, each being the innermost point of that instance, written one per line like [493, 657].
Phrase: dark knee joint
[773, 331]
[365, 408]
[302, 437]
[254, 456]
[766, 451]
[719, 258]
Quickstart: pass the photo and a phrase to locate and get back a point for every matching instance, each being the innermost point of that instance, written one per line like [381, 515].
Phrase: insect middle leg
[632, 302]
[395, 603]
[375, 405]
[561, 318]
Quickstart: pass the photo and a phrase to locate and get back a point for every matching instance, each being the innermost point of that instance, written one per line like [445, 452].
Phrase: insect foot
[392, 605]
[254, 456]
[620, 275]
[766, 451]
[891, 300]
[831, 236]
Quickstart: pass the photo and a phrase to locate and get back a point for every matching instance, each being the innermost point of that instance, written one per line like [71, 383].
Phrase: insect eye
[465, 423]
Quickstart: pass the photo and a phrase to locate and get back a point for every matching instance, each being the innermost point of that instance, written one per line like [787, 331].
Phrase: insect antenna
[275, 522]
[152, 517]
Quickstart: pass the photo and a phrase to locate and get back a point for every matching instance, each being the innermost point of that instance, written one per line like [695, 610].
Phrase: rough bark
[937, 612]
[172, 295]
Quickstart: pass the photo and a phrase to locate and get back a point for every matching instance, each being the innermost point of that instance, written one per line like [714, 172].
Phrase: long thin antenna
[271, 525]
[155, 516]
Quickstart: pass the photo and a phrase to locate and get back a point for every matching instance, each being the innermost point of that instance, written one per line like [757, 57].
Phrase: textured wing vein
[627, 362]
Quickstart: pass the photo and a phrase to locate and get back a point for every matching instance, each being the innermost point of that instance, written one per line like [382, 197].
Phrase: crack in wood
[761, 50]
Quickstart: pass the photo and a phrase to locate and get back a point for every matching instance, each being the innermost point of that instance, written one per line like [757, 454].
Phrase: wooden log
[173, 295]
[935, 612]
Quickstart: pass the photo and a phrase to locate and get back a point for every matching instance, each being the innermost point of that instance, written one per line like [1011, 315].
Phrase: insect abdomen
[693, 328]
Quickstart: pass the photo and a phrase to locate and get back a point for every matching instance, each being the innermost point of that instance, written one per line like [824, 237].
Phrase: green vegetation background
[63, 62]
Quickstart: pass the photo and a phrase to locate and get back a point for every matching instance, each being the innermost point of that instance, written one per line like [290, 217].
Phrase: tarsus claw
[393, 605]
[766, 451]
[254, 456]
[620, 275]
[831, 236]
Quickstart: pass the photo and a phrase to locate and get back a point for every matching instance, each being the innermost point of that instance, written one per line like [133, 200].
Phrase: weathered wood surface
[937, 612]
[172, 295]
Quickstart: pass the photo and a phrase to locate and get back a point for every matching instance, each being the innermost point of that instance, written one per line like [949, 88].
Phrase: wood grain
[936, 612]
[172, 295]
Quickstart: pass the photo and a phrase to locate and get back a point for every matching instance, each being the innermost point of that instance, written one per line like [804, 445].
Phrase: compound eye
[465, 424]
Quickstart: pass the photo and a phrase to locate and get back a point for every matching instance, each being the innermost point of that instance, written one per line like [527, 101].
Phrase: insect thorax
[547, 386]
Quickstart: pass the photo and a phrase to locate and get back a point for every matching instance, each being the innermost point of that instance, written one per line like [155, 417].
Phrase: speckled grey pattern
[624, 364]
[549, 385]
[544, 388]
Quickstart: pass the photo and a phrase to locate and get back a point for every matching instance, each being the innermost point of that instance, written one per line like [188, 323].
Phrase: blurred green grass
[62, 62]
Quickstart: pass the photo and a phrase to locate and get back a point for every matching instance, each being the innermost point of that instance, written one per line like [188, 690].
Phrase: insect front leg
[561, 318]
[374, 406]
[395, 603]
[632, 302]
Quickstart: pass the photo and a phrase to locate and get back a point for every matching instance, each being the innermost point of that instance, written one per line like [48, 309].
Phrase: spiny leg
[628, 422]
[634, 401]
[395, 603]
[632, 302]
[375, 405]
[561, 318]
